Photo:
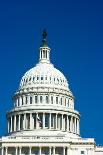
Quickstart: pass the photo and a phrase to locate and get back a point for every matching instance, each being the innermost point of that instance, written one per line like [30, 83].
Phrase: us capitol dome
[43, 120]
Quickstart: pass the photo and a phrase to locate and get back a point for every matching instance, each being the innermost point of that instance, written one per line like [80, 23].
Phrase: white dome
[44, 75]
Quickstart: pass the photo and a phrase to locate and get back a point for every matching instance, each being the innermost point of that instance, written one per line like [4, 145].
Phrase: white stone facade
[43, 120]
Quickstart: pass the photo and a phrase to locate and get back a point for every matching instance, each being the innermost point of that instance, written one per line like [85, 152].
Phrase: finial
[44, 34]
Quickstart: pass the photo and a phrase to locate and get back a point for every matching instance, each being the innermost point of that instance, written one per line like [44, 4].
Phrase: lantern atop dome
[44, 49]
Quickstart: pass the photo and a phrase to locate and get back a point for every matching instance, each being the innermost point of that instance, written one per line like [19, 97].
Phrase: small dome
[44, 75]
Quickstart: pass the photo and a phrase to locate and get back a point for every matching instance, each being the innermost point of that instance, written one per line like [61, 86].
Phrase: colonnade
[50, 150]
[30, 121]
[44, 99]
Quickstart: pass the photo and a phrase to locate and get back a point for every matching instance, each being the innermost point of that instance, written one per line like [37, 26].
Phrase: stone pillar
[67, 123]
[24, 122]
[6, 150]
[24, 100]
[56, 121]
[20, 100]
[39, 150]
[30, 150]
[63, 150]
[68, 151]
[19, 150]
[62, 123]
[78, 126]
[31, 121]
[71, 124]
[8, 125]
[49, 150]
[50, 121]
[54, 150]
[43, 120]
[36, 121]
[75, 124]
[19, 121]
[11, 125]
[33, 99]
[15, 123]
[2, 151]
[16, 149]
[28, 99]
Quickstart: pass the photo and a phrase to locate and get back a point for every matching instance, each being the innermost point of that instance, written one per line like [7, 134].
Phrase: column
[20, 100]
[50, 121]
[49, 150]
[56, 121]
[78, 126]
[75, 124]
[28, 99]
[19, 122]
[24, 122]
[30, 120]
[67, 123]
[30, 150]
[68, 151]
[2, 151]
[19, 150]
[14, 122]
[43, 120]
[54, 150]
[6, 150]
[8, 125]
[63, 150]
[71, 124]
[36, 121]
[24, 100]
[62, 123]
[16, 149]
[11, 125]
[39, 150]
[33, 99]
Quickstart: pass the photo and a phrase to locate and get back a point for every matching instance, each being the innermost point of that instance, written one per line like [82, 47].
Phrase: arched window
[41, 77]
[22, 100]
[51, 99]
[56, 100]
[41, 99]
[37, 77]
[26, 99]
[30, 100]
[33, 78]
[47, 99]
[36, 99]
[61, 100]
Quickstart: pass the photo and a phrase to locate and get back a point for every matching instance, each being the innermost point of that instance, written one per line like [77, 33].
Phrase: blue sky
[75, 36]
